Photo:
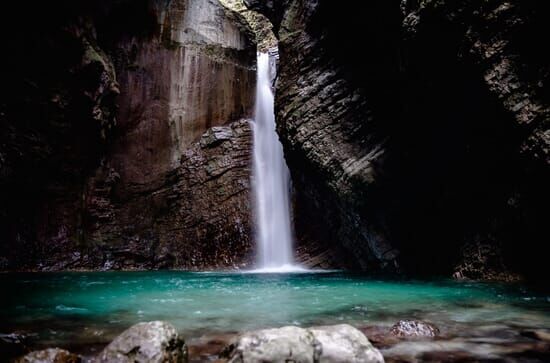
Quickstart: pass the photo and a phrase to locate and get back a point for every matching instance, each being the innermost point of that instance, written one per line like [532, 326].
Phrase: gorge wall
[123, 141]
[417, 131]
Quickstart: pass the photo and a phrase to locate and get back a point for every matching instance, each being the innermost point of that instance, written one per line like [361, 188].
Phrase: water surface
[68, 309]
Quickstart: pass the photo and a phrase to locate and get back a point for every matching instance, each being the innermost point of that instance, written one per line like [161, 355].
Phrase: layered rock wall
[417, 131]
[162, 184]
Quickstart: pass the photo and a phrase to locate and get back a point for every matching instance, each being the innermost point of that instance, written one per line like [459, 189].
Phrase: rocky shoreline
[406, 341]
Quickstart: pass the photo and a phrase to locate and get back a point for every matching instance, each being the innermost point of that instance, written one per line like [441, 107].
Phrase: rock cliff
[123, 144]
[417, 131]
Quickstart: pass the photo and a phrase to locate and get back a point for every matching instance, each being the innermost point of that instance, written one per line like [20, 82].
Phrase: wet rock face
[197, 73]
[102, 161]
[338, 343]
[152, 342]
[197, 217]
[273, 9]
[332, 141]
[430, 141]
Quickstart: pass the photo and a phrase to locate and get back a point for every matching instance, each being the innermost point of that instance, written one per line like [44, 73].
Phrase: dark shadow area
[453, 175]
[57, 111]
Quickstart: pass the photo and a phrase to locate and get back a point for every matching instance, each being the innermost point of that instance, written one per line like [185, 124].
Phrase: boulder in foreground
[152, 342]
[338, 343]
[344, 343]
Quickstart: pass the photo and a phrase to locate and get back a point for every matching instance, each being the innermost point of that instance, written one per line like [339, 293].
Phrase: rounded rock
[334, 344]
[152, 342]
[344, 343]
[276, 345]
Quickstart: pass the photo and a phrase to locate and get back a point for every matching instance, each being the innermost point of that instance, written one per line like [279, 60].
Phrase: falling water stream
[83, 312]
[271, 180]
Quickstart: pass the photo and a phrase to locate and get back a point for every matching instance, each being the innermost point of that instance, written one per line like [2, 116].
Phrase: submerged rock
[414, 328]
[338, 343]
[50, 355]
[150, 342]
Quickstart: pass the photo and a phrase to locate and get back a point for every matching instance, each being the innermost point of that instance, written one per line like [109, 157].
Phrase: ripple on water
[71, 309]
[210, 303]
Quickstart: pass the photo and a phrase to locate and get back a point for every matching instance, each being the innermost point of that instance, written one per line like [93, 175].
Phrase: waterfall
[271, 180]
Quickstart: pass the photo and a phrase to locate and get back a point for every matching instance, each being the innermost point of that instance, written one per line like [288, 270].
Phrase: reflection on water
[72, 309]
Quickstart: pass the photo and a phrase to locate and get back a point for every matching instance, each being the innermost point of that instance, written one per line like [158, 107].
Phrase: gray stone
[277, 345]
[152, 342]
[344, 343]
[338, 343]
[216, 135]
